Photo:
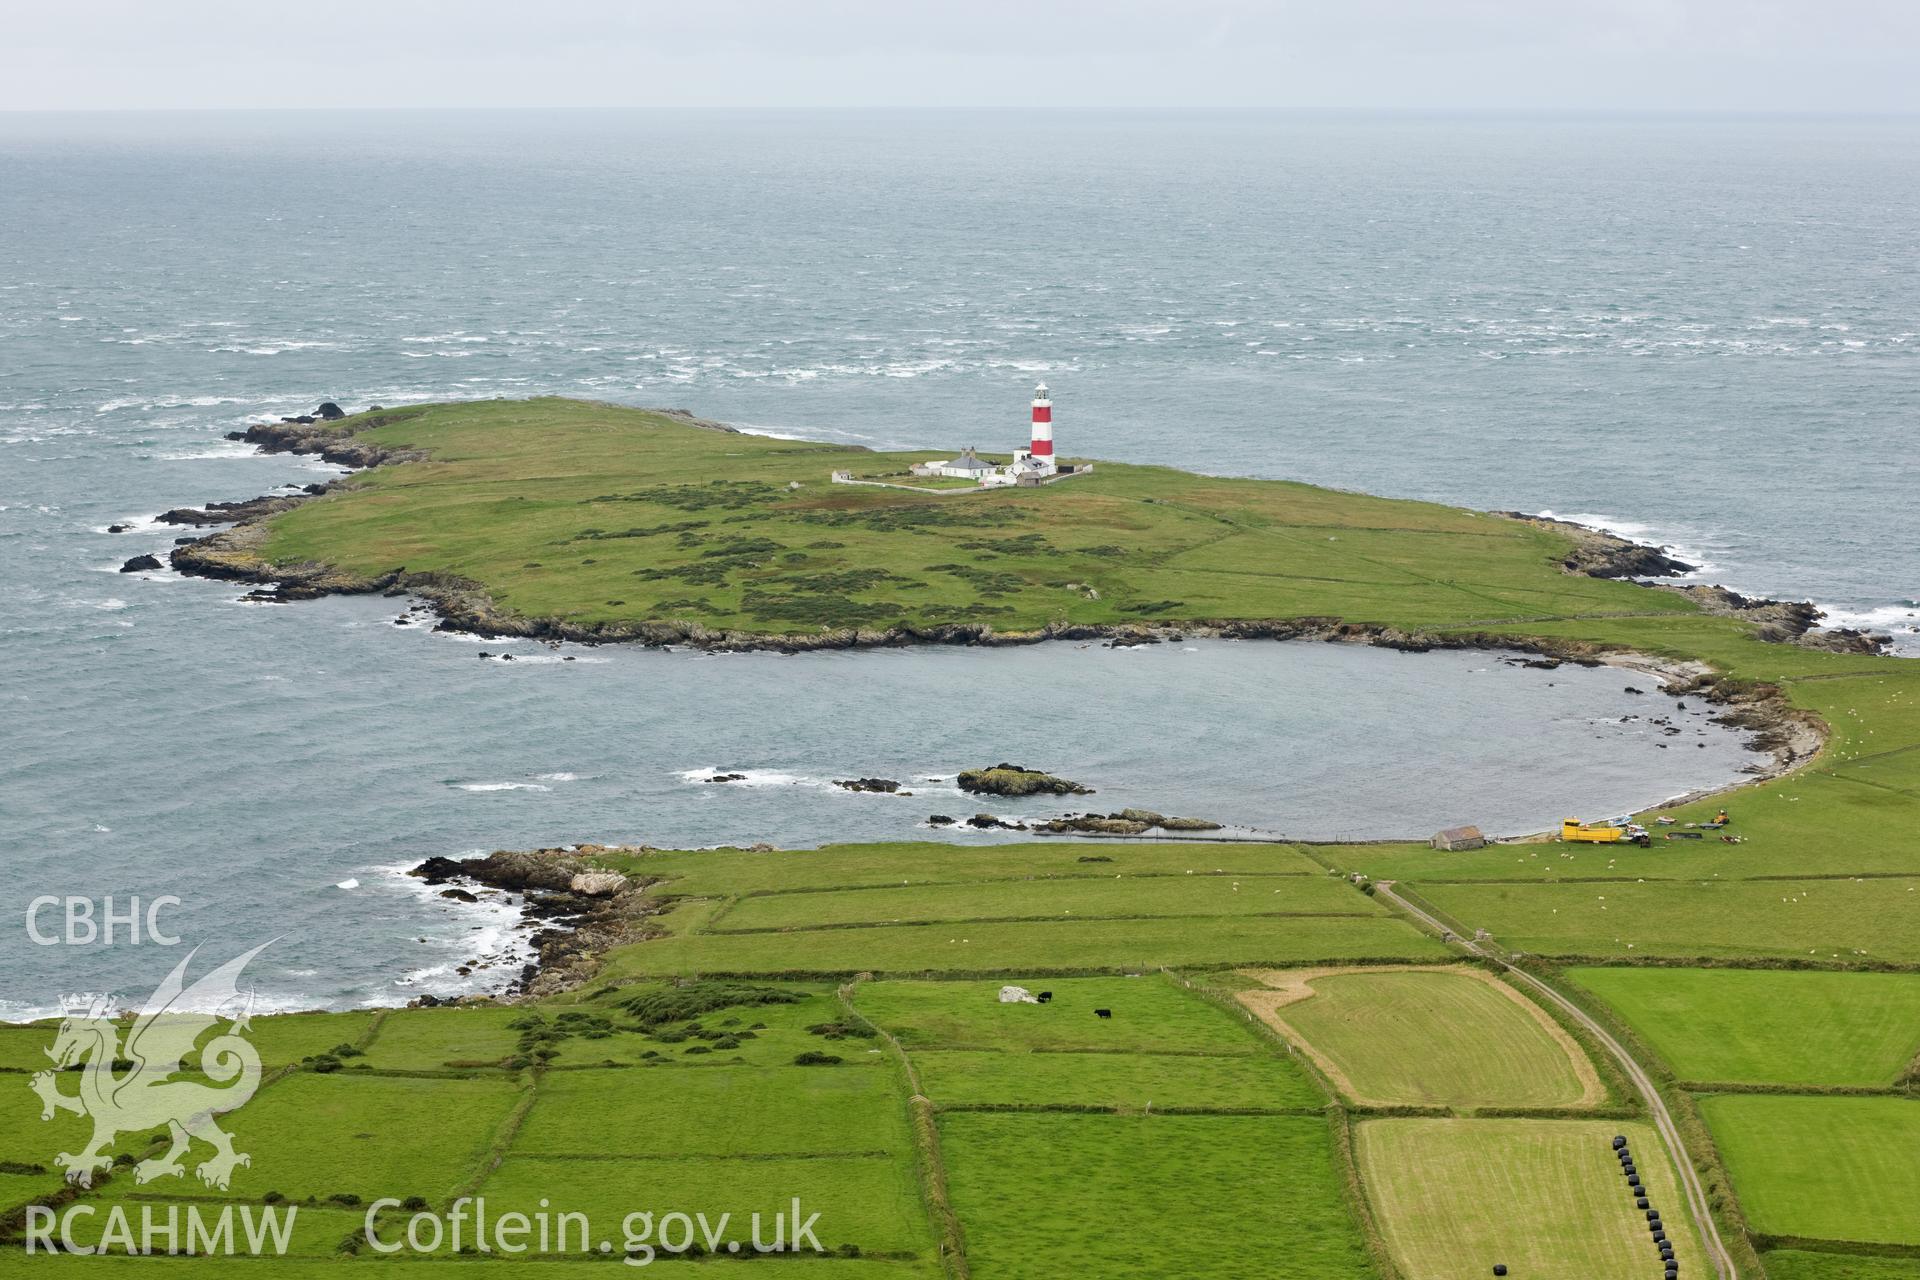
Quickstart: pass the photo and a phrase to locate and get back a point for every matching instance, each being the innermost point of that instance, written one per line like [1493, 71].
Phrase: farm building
[1458, 839]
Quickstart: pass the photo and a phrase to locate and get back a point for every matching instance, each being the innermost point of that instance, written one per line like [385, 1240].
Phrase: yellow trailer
[1607, 831]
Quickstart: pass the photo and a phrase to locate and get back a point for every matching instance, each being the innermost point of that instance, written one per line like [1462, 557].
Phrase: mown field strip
[1543, 1197]
[1437, 1037]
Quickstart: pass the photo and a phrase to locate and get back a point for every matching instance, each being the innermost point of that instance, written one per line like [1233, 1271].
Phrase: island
[569, 519]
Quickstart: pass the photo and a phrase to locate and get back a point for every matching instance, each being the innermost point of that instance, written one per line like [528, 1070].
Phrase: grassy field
[1844, 920]
[1043, 1190]
[787, 1090]
[1160, 1048]
[1434, 1038]
[1115, 897]
[597, 514]
[1150, 1015]
[726, 873]
[1769, 1026]
[1826, 1168]
[1031, 907]
[1545, 1197]
[1207, 1196]
[1801, 1264]
[1116, 1081]
[715, 1115]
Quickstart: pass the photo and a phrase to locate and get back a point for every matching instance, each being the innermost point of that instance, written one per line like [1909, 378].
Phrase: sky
[1850, 56]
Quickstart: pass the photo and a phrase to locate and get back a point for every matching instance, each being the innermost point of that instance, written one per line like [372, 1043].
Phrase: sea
[1699, 332]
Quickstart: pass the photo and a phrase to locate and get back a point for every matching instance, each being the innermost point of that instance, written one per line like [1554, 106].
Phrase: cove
[287, 750]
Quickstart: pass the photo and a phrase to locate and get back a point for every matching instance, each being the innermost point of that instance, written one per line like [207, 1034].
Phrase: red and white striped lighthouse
[1042, 424]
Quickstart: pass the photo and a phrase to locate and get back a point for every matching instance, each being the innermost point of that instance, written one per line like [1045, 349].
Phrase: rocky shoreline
[581, 910]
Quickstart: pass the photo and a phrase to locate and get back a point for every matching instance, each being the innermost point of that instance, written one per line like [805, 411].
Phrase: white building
[968, 466]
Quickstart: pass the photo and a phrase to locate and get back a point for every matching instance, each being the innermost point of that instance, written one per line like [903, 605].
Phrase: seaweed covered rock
[1127, 822]
[885, 786]
[1017, 780]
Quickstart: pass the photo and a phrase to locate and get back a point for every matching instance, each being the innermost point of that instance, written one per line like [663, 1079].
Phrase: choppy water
[1702, 331]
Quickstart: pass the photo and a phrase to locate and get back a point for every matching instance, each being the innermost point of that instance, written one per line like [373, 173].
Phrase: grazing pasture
[1545, 1197]
[358, 1134]
[1116, 896]
[1163, 1047]
[1151, 1015]
[1804, 1264]
[927, 908]
[1769, 1026]
[716, 1111]
[1842, 919]
[1054, 945]
[1214, 1197]
[1122, 1081]
[727, 873]
[1823, 1168]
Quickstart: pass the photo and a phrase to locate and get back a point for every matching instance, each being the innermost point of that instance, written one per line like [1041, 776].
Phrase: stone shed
[1458, 839]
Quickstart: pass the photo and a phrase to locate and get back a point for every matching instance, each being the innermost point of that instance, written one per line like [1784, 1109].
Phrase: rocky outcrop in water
[883, 786]
[232, 512]
[1127, 822]
[140, 564]
[1599, 554]
[1017, 780]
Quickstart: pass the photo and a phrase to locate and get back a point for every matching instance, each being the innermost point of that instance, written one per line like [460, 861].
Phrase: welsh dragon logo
[125, 1088]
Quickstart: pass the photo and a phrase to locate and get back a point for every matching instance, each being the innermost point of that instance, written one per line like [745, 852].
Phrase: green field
[1769, 1026]
[1115, 896]
[600, 515]
[1150, 1015]
[1833, 920]
[714, 1116]
[1046, 1196]
[1544, 1197]
[1119, 1081]
[1029, 907]
[727, 873]
[1042, 1190]
[1800, 1264]
[1435, 1038]
[1823, 1168]
[1162, 1048]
